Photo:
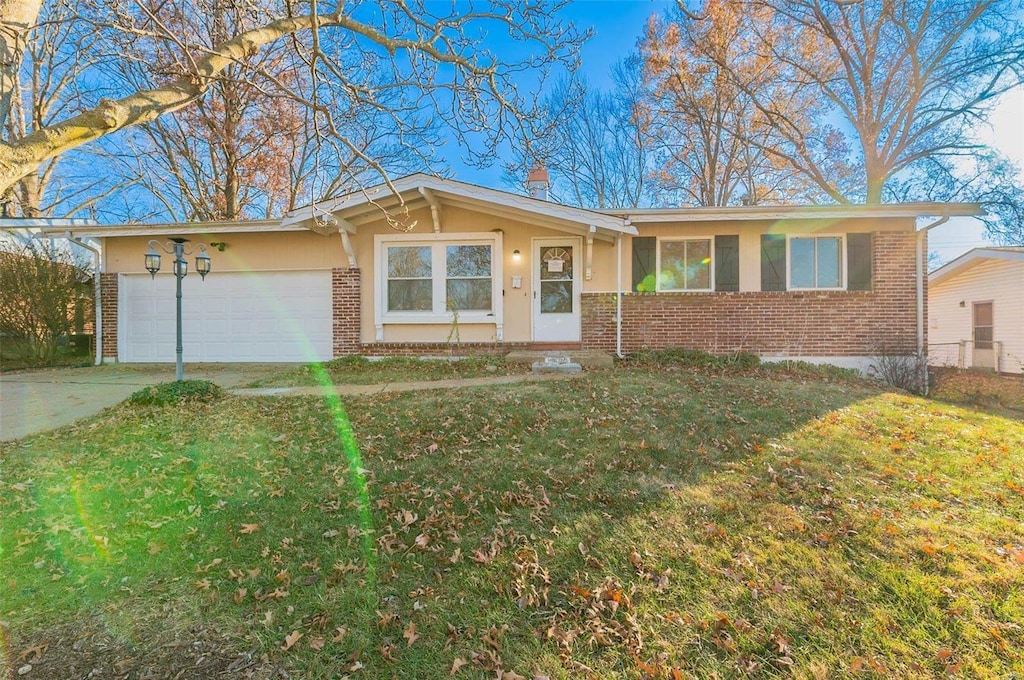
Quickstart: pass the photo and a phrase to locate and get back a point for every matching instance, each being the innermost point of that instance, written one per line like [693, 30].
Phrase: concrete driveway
[35, 401]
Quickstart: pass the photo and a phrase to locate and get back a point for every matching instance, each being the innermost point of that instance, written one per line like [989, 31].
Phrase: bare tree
[425, 59]
[909, 79]
[244, 151]
[44, 90]
[593, 141]
[712, 144]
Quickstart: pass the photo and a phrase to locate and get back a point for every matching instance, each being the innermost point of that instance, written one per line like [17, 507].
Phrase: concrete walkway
[40, 400]
[385, 388]
[37, 401]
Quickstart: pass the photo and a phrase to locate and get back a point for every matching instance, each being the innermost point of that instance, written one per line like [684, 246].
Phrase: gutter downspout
[921, 234]
[618, 296]
[97, 305]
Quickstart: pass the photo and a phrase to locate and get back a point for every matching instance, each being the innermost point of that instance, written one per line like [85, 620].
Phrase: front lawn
[660, 522]
[356, 370]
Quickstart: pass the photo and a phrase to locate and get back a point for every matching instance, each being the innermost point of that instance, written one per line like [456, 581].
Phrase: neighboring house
[976, 311]
[375, 274]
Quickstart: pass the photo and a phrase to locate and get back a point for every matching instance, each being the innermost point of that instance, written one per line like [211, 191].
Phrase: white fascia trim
[381, 317]
[972, 258]
[480, 195]
[173, 228]
[782, 212]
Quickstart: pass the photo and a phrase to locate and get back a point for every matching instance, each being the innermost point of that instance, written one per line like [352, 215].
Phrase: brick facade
[108, 316]
[804, 323]
[345, 292]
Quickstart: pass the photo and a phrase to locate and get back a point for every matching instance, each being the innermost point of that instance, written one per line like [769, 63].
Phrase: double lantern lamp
[176, 246]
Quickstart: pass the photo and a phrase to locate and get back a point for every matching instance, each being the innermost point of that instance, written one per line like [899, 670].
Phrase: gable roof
[422, 190]
[973, 258]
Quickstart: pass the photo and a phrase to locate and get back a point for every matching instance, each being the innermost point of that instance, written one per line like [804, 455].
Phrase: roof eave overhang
[172, 228]
[794, 212]
[971, 259]
[416, 190]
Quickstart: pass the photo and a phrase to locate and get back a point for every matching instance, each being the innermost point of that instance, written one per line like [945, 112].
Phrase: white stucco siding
[1000, 282]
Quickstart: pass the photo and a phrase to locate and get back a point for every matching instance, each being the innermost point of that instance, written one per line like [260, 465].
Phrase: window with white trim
[468, 282]
[423, 279]
[685, 264]
[816, 262]
[410, 284]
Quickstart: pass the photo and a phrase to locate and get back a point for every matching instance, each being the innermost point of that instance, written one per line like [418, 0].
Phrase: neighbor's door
[984, 357]
[556, 290]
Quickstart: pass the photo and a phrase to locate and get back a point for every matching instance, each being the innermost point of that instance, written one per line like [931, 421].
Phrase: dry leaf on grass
[291, 639]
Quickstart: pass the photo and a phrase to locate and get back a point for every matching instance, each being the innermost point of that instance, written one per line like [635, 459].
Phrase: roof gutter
[97, 302]
[618, 296]
[922, 235]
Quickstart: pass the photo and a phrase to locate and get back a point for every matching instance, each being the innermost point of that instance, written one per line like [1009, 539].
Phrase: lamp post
[176, 246]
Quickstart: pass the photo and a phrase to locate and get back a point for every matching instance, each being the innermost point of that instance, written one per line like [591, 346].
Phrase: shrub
[173, 393]
[816, 371]
[680, 356]
[905, 371]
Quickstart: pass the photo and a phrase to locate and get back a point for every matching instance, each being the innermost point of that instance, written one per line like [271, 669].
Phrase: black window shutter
[644, 259]
[727, 263]
[773, 262]
[858, 261]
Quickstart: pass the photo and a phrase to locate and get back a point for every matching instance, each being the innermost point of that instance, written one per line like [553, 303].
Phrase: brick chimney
[537, 182]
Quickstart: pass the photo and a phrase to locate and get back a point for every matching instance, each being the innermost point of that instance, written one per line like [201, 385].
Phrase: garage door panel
[257, 316]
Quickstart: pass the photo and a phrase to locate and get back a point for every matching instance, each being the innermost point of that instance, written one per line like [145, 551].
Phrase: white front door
[556, 290]
[983, 355]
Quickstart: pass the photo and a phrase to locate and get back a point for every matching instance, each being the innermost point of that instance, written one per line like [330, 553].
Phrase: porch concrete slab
[588, 358]
[40, 400]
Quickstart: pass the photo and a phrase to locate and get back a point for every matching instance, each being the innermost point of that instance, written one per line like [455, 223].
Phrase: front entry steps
[560, 361]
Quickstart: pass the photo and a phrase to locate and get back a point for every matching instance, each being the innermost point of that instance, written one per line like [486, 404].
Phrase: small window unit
[816, 263]
[685, 264]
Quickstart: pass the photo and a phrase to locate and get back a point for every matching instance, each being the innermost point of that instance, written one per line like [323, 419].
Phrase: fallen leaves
[410, 634]
[291, 639]
[249, 528]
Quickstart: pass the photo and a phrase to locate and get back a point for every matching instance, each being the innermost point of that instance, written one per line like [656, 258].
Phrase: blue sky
[618, 24]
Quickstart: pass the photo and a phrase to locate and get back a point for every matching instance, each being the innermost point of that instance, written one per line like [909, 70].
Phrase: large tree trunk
[25, 155]
[17, 17]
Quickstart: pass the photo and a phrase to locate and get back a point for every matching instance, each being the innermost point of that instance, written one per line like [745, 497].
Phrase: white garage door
[229, 317]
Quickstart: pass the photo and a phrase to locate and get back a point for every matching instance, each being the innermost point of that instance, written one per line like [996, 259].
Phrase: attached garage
[230, 317]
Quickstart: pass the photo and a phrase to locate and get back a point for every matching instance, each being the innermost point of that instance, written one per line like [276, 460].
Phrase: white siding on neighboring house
[951, 301]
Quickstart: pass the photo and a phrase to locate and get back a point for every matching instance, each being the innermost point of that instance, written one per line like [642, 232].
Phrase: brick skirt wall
[108, 315]
[805, 323]
[417, 349]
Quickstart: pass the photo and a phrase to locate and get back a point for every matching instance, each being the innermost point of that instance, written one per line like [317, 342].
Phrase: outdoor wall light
[203, 263]
[152, 261]
[516, 256]
[176, 246]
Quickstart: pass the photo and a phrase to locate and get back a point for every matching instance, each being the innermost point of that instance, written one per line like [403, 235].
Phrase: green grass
[644, 523]
[356, 370]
